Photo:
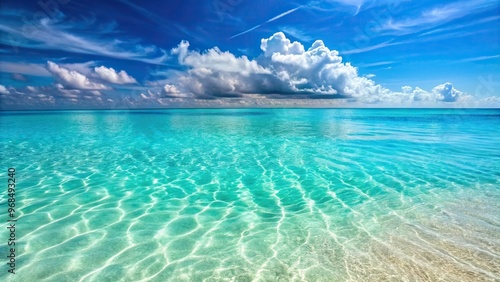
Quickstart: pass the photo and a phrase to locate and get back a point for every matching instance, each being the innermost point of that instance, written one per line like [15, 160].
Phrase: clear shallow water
[263, 195]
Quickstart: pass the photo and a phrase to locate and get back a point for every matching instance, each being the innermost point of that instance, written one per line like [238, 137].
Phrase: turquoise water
[254, 195]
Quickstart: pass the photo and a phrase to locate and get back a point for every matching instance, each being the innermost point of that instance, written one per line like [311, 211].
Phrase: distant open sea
[253, 195]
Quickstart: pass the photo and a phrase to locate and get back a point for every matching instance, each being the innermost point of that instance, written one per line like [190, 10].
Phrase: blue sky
[241, 53]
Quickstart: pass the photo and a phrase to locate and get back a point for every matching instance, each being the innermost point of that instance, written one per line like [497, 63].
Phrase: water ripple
[256, 195]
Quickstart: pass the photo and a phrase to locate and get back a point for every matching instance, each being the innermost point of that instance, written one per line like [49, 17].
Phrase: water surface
[255, 194]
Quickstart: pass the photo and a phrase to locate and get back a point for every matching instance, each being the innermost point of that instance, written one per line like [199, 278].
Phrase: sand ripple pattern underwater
[254, 195]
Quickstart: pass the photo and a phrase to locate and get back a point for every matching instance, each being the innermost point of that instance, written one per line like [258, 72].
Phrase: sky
[73, 54]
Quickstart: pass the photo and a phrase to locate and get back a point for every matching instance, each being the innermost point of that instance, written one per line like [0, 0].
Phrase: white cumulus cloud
[447, 93]
[73, 79]
[286, 69]
[3, 90]
[110, 75]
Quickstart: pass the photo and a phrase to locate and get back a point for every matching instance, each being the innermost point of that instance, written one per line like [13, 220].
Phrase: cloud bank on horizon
[285, 70]
[61, 59]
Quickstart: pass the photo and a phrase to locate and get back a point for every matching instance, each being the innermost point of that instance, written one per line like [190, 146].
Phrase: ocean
[252, 195]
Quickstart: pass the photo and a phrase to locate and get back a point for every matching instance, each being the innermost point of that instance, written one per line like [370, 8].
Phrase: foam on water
[255, 195]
